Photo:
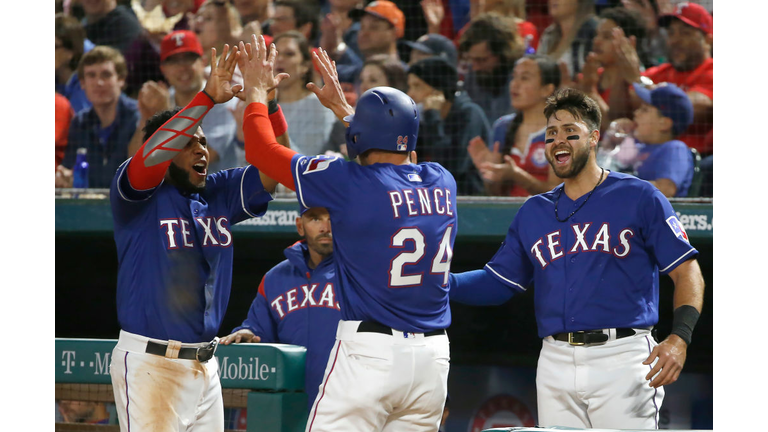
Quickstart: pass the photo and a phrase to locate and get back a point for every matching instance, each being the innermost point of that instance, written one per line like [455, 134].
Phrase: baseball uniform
[393, 233]
[300, 306]
[598, 270]
[174, 277]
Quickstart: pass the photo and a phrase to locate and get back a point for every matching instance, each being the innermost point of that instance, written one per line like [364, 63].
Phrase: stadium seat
[698, 176]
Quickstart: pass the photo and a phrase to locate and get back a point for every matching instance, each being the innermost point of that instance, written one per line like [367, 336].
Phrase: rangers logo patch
[677, 228]
[319, 163]
[402, 143]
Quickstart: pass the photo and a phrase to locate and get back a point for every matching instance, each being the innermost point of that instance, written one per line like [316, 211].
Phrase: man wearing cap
[666, 162]
[183, 67]
[690, 67]
[382, 24]
[432, 44]
[297, 301]
[448, 121]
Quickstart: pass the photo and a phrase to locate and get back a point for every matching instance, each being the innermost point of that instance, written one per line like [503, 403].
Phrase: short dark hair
[157, 120]
[304, 12]
[576, 102]
[304, 49]
[630, 21]
[72, 36]
[499, 32]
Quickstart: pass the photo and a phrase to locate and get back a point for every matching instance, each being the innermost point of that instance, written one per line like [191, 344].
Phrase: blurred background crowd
[479, 70]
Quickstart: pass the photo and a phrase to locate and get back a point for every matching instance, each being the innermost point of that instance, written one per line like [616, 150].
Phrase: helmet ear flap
[351, 139]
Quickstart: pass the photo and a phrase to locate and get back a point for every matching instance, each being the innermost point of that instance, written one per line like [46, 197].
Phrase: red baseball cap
[385, 10]
[692, 14]
[180, 41]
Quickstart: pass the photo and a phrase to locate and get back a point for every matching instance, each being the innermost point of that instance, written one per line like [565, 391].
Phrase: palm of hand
[221, 85]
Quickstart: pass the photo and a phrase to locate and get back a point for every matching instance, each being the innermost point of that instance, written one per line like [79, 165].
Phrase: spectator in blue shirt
[664, 161]
[105, 129]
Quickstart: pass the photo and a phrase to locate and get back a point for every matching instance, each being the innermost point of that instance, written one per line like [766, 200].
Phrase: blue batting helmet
[386, 119]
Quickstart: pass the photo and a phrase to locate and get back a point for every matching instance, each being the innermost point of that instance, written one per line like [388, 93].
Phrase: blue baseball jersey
[393, 232]
[174, 252]
[299, 306]
[600, 268]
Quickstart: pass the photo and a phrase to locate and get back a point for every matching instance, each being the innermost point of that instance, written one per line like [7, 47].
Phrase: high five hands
[219, 85]
[257, 65]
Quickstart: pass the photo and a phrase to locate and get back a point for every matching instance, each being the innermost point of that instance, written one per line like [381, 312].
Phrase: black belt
[592, 336]
[202, 354]
[374, 327]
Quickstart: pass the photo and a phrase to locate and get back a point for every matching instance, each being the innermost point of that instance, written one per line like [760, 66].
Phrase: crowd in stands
[479, 70]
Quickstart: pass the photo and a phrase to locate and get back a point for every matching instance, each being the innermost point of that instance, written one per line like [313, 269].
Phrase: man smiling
[172, 224]
[596, 268]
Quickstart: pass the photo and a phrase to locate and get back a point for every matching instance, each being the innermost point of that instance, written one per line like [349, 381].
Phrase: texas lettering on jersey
[312, 296]
[587, 239]
[215, 231]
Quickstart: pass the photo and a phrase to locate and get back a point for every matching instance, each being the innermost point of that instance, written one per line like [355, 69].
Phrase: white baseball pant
[382, 382]
[155, 393]
[598, 386]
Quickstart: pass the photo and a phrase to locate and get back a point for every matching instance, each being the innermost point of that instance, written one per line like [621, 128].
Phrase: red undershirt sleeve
[148, 166]
[262, 149]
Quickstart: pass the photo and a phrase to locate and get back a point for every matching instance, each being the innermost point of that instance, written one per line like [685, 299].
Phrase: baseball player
[594, 248]
[172, 231]
[298, 300]
[394, 224]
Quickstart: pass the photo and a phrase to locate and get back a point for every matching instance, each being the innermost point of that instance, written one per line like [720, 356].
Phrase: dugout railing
[265, 379]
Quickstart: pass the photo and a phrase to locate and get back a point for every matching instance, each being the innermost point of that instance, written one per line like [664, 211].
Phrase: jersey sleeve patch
[317, 163]
[677, 228]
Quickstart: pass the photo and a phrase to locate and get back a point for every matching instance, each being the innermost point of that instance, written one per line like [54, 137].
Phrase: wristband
[272, 106]
[684, 321]
[279, 125]
[209, 96]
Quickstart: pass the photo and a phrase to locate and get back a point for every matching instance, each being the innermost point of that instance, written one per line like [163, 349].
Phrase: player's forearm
[150, 162]
[689, 285]
[478, 288]
[262, 149]
[688, 299]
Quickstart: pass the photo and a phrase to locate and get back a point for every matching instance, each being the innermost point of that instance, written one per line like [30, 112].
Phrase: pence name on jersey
[402, 218]
[597, 263]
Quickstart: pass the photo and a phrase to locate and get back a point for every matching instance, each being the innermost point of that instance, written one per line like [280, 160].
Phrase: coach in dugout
[297, 301]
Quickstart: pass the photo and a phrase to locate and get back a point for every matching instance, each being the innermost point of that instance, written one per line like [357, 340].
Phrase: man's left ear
[595, 137]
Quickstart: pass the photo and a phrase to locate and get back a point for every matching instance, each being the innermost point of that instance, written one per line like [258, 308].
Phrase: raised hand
[480, 153]
[153, 97]
[626, 56]
[589, 75]
[330, 94]
[330, 32]
[498, 172]
[257, 65]
[219, 85]
[433, 14]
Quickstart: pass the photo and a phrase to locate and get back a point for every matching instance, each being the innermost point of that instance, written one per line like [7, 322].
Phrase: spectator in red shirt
[64, 116]
[690, 67]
